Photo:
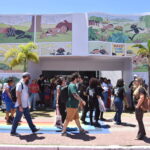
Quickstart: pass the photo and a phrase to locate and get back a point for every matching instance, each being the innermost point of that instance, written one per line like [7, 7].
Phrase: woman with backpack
[140, 97]
[7, 98]
[119, 96]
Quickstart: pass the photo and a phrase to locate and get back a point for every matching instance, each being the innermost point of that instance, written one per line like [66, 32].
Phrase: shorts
[72, 114]
[9, 105]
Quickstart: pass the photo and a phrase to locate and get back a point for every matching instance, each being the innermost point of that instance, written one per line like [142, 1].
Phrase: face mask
[27, 82]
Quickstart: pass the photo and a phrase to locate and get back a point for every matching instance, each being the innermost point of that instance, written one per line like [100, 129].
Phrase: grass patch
[67, 37]
[4, 39]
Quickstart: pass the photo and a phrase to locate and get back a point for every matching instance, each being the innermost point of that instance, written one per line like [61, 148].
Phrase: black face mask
[27, 82]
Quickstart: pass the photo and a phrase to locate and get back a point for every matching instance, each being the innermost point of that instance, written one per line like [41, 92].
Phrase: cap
[135, 75]
[25, 74]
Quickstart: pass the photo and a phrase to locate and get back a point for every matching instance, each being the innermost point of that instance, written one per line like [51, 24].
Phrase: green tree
[22, 55]
[145, 51]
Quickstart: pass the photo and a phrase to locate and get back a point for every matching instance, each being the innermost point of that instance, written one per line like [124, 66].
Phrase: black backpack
[63, 95]
[13, 93]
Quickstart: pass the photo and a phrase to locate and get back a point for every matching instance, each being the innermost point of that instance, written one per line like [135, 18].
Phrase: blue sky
[69, 6]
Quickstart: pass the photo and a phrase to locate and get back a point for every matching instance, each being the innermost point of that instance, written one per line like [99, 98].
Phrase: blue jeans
[105, 99]
[54, 100]
[17, 119]
[33, 99]
[119, 109]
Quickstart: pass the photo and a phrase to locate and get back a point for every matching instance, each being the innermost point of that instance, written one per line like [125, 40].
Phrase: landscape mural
[16, 28]
[99, 48]
[54, 28]
[59, 48]
[121, 32]
[119, 28]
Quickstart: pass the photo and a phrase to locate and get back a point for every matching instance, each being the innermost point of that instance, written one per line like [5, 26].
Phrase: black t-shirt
[119, 92]
[41, 85]
[94, 92]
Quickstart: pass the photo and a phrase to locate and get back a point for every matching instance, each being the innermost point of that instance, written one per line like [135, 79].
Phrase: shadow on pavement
[79, 136]
[146, 140]
[31, 137]
[128, 124]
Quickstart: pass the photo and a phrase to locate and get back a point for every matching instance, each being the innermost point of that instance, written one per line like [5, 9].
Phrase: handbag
[145, 106]
[101, 105]
[58, 118]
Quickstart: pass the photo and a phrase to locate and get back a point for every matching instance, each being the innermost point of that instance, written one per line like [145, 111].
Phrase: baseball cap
[25, 74]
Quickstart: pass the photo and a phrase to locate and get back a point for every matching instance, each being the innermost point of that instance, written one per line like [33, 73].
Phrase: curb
[39, 147]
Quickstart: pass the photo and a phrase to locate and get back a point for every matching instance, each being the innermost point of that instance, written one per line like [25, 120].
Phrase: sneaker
[36, 130]
[102, 119]
[64, 134]
[97, 124]
[15, 134]
[82, 131]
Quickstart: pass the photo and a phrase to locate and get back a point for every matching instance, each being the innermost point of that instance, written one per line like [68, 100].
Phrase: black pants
[84, 112]
[62, 109]
[139, 117]
[94, 105]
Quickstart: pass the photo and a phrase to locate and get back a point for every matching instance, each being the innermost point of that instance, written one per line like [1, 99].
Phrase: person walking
[72, 104]
[140, 96]
[119, 96]
[105, 92]
[22, 104]
[61, 99]
[7, 98]
[94, 91]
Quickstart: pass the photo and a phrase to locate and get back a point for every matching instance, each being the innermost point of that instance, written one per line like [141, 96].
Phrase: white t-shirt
[24, 94]
[105, 87]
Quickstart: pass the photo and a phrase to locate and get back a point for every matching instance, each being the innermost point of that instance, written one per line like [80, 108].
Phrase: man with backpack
[22, 104]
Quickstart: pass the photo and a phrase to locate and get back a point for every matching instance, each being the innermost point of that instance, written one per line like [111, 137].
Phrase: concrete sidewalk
[122, 135]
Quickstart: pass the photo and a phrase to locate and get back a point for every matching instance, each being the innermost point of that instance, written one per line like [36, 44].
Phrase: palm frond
[143, 52]
[139, 46]
[13, 62]
[20, 57]
[11, 53]
[32, 56]
[30, 46]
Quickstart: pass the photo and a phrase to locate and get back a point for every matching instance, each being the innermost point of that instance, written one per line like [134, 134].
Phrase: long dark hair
[120, 83]
[93, 83]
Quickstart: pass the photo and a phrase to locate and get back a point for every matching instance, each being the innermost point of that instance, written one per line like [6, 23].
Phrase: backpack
[146, 104]
[63, 95]
[13, 93]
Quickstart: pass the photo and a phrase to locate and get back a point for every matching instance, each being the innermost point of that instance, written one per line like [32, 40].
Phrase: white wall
[86, 63]
[79, 35]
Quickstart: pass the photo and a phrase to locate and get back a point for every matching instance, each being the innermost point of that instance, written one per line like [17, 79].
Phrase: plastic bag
[101, 105]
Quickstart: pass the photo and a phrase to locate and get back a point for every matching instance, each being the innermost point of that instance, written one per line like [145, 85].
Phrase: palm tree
[145, 51]
[22, 55]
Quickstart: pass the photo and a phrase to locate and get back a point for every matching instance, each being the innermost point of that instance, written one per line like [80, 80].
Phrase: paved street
[123, 135]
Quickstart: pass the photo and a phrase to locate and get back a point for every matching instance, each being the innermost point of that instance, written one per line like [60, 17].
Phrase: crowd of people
[68, 95]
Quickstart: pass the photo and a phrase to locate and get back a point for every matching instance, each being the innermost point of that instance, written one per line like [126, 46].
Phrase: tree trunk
[38, 24]
[25, 66]
[32, 25]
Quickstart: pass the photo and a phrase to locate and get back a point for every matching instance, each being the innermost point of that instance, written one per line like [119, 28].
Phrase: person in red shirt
[34, 90]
